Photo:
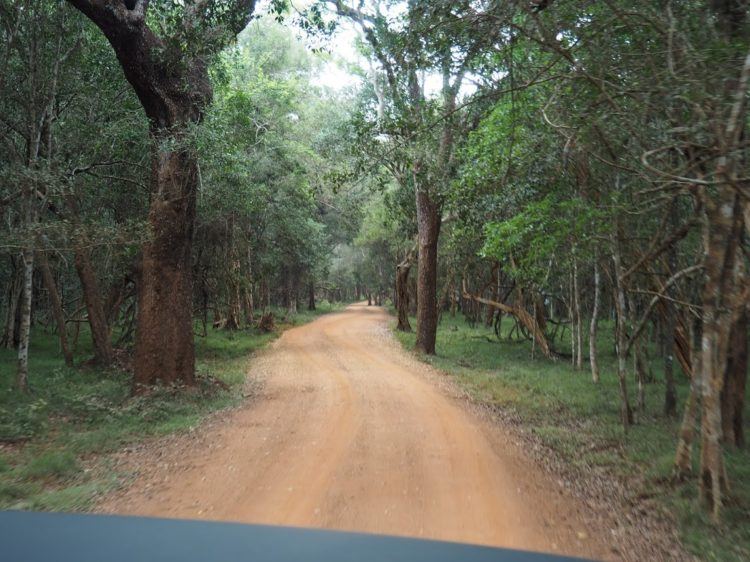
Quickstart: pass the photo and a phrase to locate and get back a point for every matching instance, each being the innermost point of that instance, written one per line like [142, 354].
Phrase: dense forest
[570, 174]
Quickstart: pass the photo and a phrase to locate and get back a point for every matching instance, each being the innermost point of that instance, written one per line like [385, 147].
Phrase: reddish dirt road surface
[351, 433]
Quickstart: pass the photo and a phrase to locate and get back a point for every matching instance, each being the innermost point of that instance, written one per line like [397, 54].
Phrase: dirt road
[350, 432]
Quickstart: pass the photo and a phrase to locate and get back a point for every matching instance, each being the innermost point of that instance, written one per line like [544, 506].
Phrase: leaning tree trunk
[103, 353]
[428, 226]
[402, 295]
[519, 313]
[57, 309]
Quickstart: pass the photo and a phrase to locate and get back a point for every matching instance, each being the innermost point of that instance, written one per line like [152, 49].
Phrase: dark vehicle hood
[58, 537]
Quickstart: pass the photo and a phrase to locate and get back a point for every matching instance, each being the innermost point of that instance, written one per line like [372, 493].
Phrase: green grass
[580, 420]
[54, 440]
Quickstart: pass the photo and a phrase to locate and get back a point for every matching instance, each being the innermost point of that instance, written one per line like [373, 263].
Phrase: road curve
[352, 433]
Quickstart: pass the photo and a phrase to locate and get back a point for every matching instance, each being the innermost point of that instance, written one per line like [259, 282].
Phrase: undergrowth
[580, 420]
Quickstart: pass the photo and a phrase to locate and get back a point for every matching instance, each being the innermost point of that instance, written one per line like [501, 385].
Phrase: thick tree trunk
[56, 304]
[22, 374]
[164, 350]
[428, 226]
[174, 89]
[402, 295]
[722, 281]
[593, 327]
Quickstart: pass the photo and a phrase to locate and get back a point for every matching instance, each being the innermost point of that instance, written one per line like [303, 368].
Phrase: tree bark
[670, 390]
[56, 304]
[103, 353]
[22, 374]
[428, 227]
[402, 295]
[291, 295]
[683, 462]
[722, 282]
[593, 327]
[578, 318]
[10, 335]
[735, 378]
[174, 89]
[626, 413]
[311, 295]
[234, 313]
[522, 316]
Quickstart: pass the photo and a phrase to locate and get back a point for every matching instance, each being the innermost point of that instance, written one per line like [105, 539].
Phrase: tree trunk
[291, 296]
[22, 375]
[670, 390]
[249, 303]
[594, 325]
[311, 295]
[402, 295]
[103, 353]
[519, 314]
[428, 226]
[249, 307]
[669, 326]
[10, 335]
[683, 462]
[722, 283]
[174, 88]
[733, 393]
[235, 300]
[577, 310]
[626, 413]
[640, 373]
[56, 304]
[164, 349]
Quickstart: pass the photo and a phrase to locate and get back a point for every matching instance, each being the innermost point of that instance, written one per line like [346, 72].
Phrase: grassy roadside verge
[54, 441]
[579, 420]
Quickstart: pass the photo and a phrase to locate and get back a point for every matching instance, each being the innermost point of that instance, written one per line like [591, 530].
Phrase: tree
[170, 77]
